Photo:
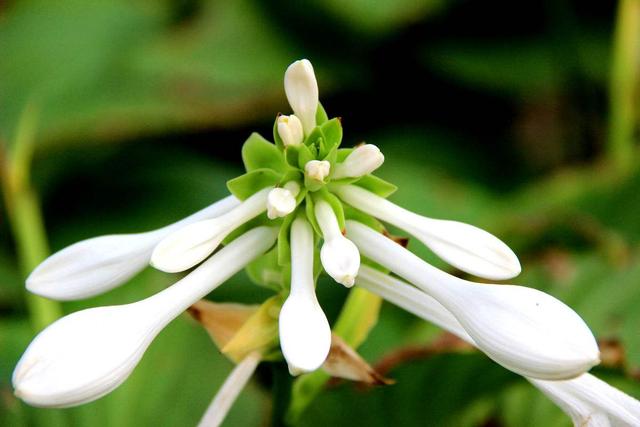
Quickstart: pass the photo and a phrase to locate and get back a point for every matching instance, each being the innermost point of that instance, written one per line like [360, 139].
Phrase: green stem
[25, 216]
[357, 318]
[623, 84]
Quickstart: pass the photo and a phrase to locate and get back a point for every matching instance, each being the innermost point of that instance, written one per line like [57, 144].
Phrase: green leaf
[276, 135]
[315, 137]
[311, 215]
[332, 131]
[305, 155]
[376, 185]
[258, 153]
[343, 153]
[321, 115]
[246, 185]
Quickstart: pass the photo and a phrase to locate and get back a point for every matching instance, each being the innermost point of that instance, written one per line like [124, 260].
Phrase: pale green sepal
[265, 271]
[246, 185]
[321, 115]
[258, 153]
[376, 185]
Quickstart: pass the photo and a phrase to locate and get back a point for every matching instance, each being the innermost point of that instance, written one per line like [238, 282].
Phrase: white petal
[340, 256]
[190, 245]
[301, 88]
[523, 329]
[280, 202]
[233, 385]
[96, 265]
[85, 355]
[317, 169]
[586, 399]
[305, 335]
[462, 245]
[363, 160]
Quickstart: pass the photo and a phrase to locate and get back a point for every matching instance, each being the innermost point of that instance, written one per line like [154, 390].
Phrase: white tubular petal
[462, 245]
[228, 393]
[523, 329]
[280, 202]
[362, 161]
[340, 256]
[305, 335]
[586, 399]
[301, 88]
[290, 130]
[317, 169]
[190, 245]
[85, 355]
[96, 265]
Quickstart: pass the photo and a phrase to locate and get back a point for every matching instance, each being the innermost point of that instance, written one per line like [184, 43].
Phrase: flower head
[302, 198]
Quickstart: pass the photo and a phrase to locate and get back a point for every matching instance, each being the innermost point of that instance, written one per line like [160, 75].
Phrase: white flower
[340, 257]
[586, 399]
[290, 130]
[96, 265]
[317, 170]
[363, 160]
[464, 246]
[523, 329]
[282, 201]
[189, 245]
[305, 335]
[301, 88]
[85, 355]
[233, 385]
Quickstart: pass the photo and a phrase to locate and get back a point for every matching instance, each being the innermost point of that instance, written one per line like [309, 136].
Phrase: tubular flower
[303, 198]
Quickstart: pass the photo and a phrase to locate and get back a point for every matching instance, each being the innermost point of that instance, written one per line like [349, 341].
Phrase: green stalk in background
[358, 316]
[25, 216]
[623, 89]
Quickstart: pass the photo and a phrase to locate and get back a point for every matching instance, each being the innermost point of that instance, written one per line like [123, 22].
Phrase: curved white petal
[464, 246]
[96, 265]
[305, 334]
[523, 329]
[190, 245]
[290, 130]
[85, 355]
[280, 202]
[233, 385]
[340, 256]
[586, 399]
[301, 88]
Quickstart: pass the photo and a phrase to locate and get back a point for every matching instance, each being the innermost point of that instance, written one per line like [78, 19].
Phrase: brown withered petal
[221, 320]
[344, 362]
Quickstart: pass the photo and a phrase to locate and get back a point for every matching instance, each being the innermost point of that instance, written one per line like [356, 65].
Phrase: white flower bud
[280, 202]
[290, 130]
[85, 355]
[96, 265]
[464, 246]
[340, 257]
[305, 334]
[190, 245]
[301, 88]
[362, 161]
[523, 329]
[317, 170]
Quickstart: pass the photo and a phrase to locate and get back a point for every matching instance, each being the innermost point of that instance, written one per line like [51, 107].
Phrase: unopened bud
[290, 130]
[362, 161]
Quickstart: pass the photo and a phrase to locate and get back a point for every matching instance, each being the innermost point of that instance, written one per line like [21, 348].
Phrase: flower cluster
[305, 205]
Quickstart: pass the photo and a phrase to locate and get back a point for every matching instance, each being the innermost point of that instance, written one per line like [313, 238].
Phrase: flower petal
[523, 329]
[464, 246]
[85, 355]
[301, 88]
[97, 265]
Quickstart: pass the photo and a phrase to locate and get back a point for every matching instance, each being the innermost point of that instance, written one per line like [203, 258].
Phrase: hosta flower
[303, 198]
[589, 401]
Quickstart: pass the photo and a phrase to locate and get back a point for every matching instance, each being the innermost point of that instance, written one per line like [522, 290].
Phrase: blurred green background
[518, 117]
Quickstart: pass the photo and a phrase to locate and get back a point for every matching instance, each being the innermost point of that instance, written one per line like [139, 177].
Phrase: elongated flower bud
[190, 245]
[462, 245]
[362, 161]
[228, 393]
[301, 88]
[523, 329]
[305, 335]
[85, 355]
[290, 130]
[97, 265]
[280, 202]
[317, 170]
[586, 399]
[340, 257]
